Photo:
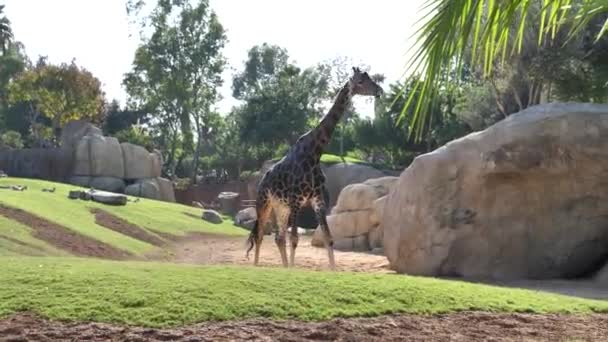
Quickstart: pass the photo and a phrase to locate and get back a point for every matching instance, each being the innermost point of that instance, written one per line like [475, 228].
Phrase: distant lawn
[155, 216]
[162, 295]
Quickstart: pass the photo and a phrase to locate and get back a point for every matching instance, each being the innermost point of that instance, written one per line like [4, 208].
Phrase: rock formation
[354, 223]
[526, 198]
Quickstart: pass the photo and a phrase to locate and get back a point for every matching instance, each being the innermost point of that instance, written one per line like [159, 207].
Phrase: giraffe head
[362, 84]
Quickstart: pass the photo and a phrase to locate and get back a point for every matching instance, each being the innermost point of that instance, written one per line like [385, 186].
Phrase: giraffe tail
[252, 240]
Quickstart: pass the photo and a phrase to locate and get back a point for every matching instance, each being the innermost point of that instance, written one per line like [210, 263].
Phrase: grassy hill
[155, 217]
[39, 277]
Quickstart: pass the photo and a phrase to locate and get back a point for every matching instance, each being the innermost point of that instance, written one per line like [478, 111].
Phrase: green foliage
[176, 72]
[118, 119]
[12, 139]
[153, 216]
[6, 32]
[280, 98]
[460, 32]
[58, 92]
[169, 295]
[137, 135]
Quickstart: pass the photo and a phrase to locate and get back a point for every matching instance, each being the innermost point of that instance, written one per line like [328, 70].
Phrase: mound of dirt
[451, 327]
[105, 219]
[62, 237]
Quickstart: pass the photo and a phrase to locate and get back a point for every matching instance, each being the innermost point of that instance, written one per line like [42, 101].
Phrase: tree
[6, 33]
[281, 100]
[176, 72]
[492, 30]
[58, 92]
[118, 119]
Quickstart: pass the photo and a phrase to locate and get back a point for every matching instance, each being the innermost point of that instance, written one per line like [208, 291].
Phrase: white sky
[96, 34]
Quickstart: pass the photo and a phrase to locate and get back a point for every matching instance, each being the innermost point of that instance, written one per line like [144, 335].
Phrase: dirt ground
[469, 326]
[206, 249]
[62, 237]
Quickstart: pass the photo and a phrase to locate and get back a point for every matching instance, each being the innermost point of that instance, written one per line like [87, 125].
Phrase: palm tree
[6, 33]
[482, 33]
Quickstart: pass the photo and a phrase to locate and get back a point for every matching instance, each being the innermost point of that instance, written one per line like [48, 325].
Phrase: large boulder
[139, 163]
[338, 176]
[111, 184]
[75, 130]
[147, 188]
[526, 198]
[166, 189]
[98, 156]
[354, 217]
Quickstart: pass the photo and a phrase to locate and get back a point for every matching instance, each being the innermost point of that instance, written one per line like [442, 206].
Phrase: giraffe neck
[326, 127]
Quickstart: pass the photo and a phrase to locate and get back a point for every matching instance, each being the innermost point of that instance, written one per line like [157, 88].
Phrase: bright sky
[96, 34]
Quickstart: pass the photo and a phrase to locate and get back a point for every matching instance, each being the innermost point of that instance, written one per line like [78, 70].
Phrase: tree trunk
[197, 153]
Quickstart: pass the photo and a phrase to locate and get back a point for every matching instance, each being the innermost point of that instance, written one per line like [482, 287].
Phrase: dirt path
[216, 249]
[453, 327]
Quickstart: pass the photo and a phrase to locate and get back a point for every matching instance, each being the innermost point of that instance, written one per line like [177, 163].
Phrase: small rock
[74, 194]
[245, 215]
[212, 216]
[109, 198]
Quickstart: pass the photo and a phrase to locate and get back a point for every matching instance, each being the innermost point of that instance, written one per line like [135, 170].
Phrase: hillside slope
[33, 222]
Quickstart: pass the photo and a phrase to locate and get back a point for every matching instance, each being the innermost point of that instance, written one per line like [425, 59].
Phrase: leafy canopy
[482, 32]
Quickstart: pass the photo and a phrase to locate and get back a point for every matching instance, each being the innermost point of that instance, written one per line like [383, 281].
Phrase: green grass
[10, 231]
[161, 295]
[153, 215]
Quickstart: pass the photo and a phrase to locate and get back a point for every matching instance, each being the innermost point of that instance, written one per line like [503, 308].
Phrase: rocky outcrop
[147, 188]
[43, 163]
[111, 184]
[339, 176]
[139, 163]
[99, 156]
[526, 198]
[166, 189]
[75, 130]
[354, 217]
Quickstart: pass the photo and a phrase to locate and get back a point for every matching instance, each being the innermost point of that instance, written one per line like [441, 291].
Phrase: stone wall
[53, 164]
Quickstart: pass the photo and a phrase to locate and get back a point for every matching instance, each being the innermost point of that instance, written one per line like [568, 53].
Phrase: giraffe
[296, 180]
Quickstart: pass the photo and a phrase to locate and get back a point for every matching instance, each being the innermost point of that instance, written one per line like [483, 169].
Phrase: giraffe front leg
[282, 216]
[293, 236]
[319, 206]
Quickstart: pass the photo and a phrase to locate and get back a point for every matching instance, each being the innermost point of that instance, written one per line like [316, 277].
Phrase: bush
[12, 139]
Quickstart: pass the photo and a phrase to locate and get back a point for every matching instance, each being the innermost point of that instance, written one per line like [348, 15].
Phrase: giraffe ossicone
[297, 180]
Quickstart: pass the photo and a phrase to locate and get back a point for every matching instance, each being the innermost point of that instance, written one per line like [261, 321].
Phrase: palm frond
[491, 30]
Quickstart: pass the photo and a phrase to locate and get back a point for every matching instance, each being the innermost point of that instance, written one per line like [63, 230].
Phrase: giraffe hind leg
[257, 233]
[319, 206]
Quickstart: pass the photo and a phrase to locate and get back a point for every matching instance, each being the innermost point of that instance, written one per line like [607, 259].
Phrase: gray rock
[111, 184]
[99, 156]
[109, 198]
[165, 187]
[212, 216]
[147, 188]
[245, 215]
[74, 194]
[525, 198]
[83, 181]
[139, 163]
[74, 130]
